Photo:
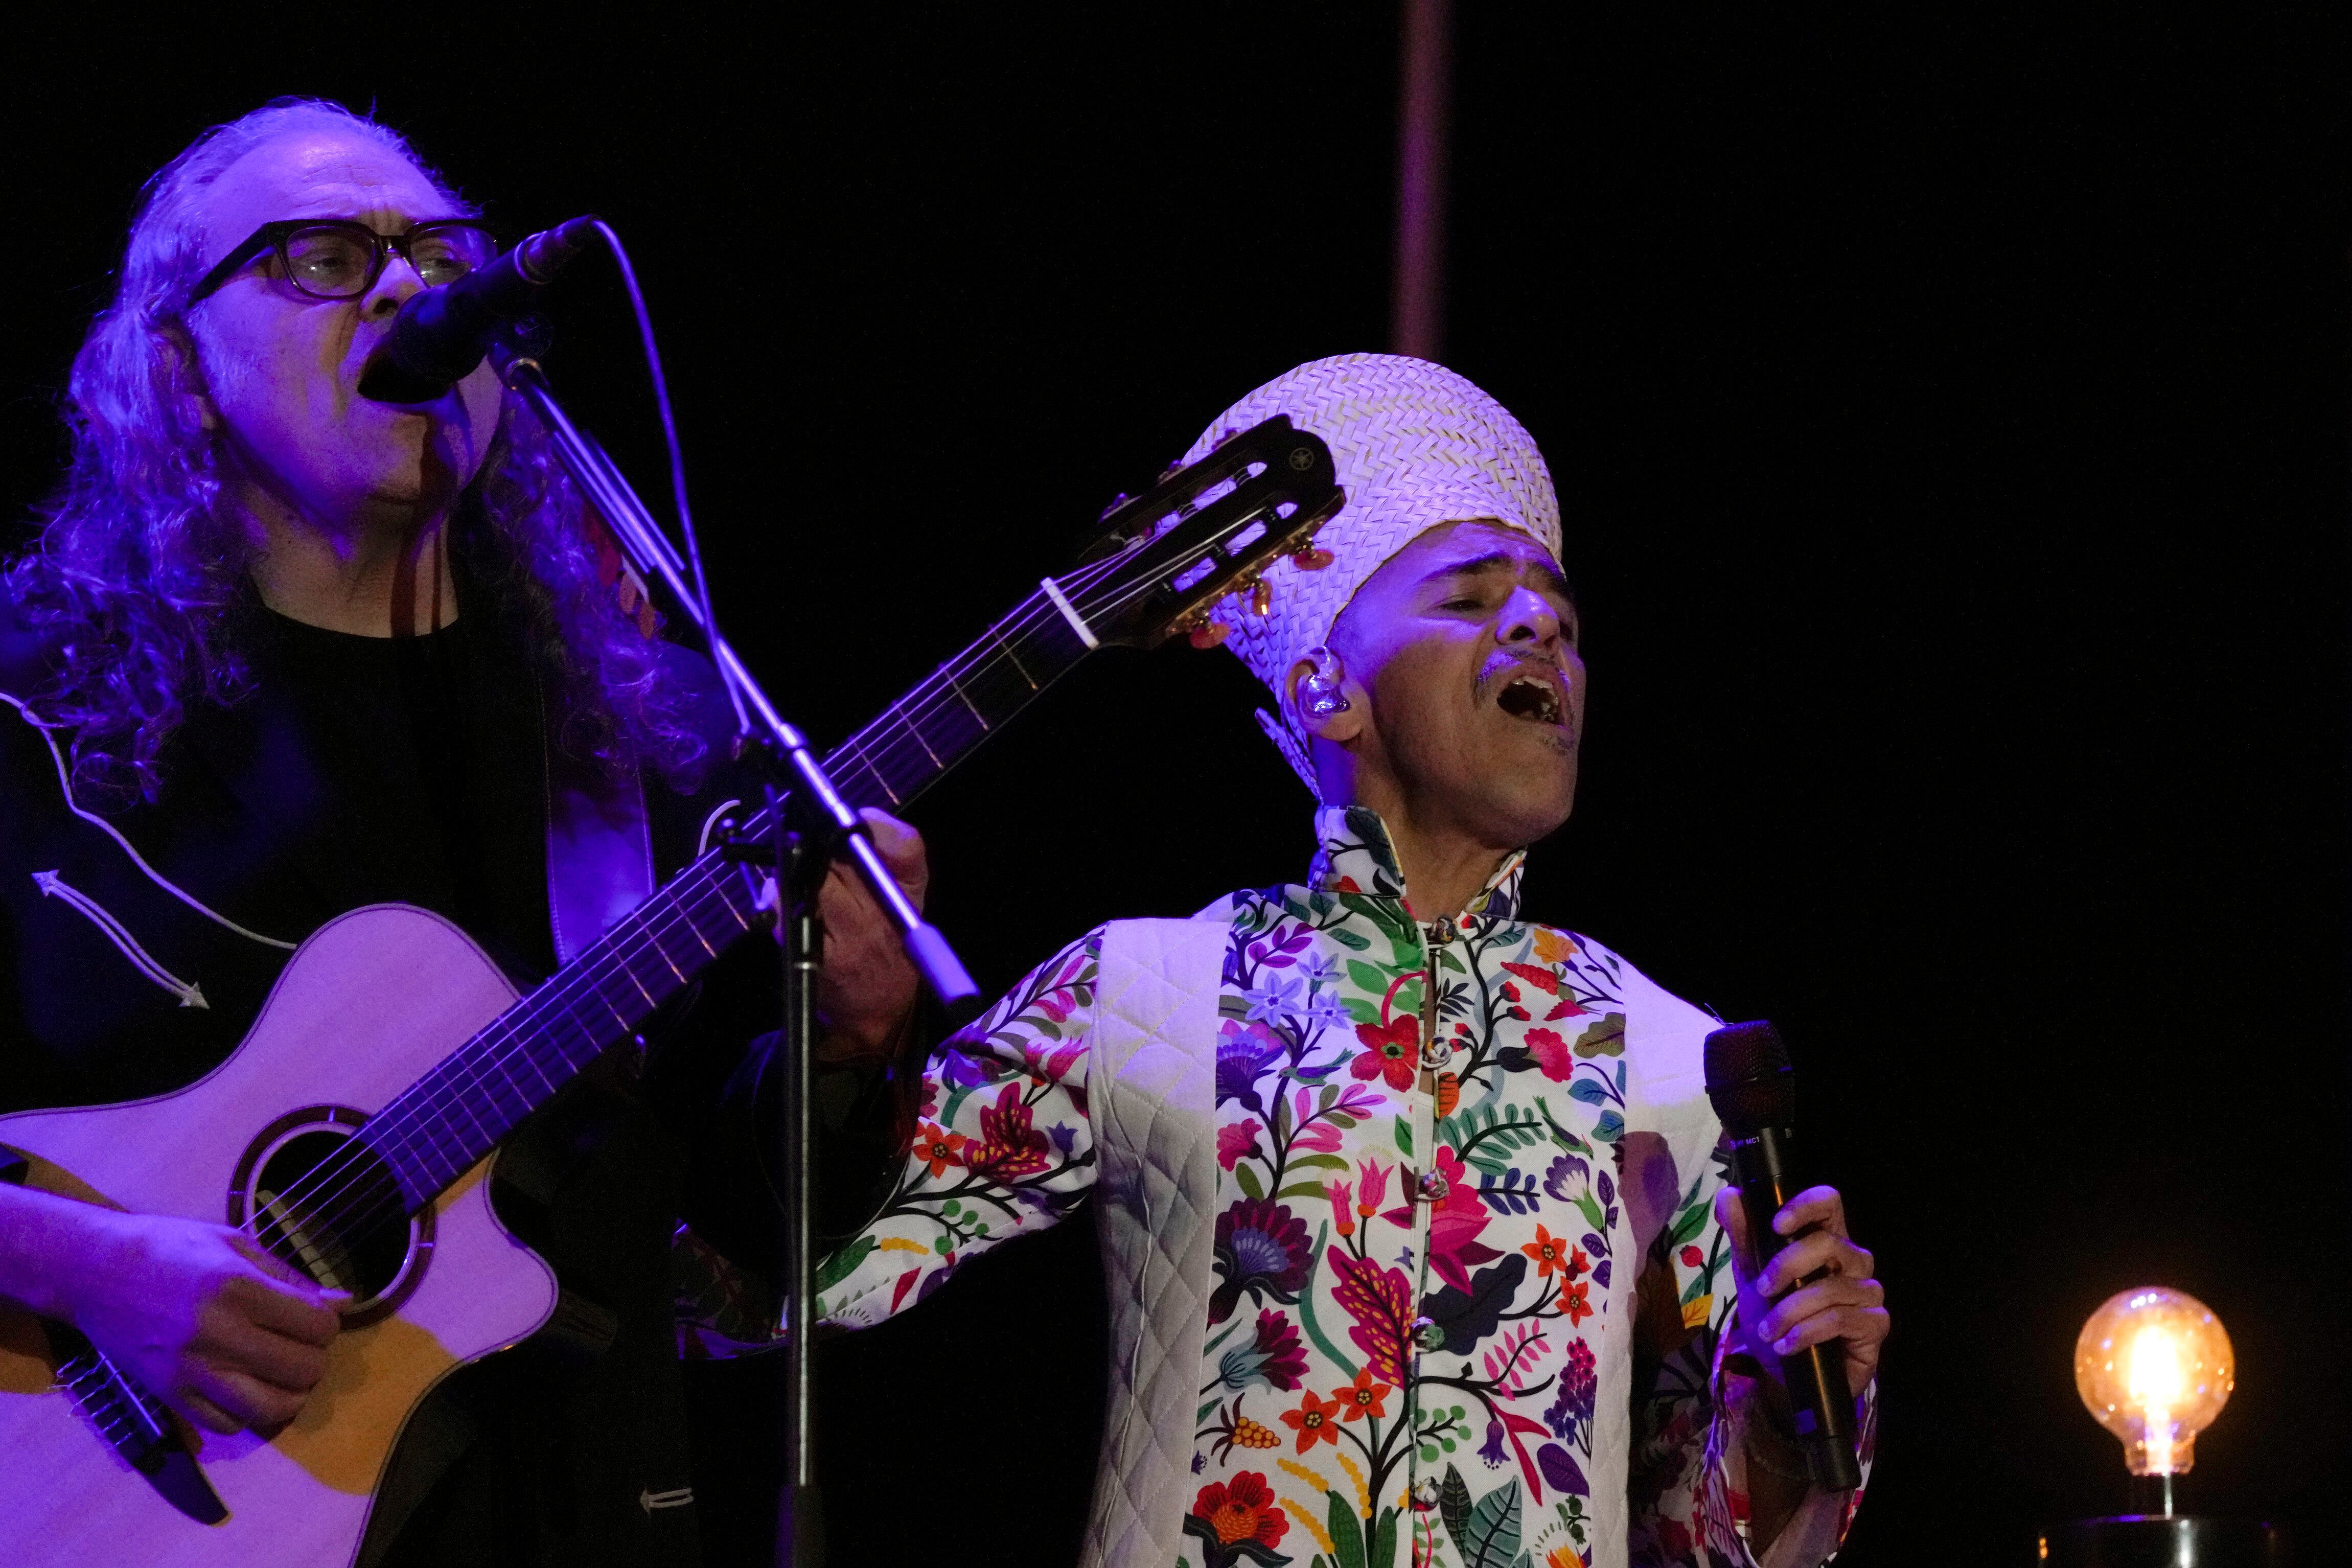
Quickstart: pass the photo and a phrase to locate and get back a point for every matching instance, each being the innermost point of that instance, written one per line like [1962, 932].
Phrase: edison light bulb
[2154, 1367]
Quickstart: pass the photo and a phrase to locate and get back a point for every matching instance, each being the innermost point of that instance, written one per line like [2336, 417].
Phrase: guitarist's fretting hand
[205, 1320]
[867, 988]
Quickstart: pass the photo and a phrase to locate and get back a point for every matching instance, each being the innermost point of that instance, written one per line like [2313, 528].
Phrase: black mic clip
[441, 335]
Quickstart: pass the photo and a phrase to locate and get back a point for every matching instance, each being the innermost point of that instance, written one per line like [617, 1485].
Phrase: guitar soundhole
[323, 1201]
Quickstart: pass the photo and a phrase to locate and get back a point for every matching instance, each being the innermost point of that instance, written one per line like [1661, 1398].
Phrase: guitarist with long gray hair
[281, 650]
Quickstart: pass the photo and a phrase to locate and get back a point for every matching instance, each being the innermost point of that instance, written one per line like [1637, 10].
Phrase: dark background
[1950, 416]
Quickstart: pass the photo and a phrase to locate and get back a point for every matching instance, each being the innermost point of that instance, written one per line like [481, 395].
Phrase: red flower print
[1314, 1420]
[1693, 1257]
[1573, 1301]
[1236, 1140]
[937, 1147]
[1363, 1397]
[1547, 981]
[1240, 1509]
[1010, 1146]
[1548, 1252]
[1391, 1051]
[1551, 1054]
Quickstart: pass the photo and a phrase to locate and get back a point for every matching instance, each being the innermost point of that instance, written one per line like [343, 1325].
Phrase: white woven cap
[1415, 446]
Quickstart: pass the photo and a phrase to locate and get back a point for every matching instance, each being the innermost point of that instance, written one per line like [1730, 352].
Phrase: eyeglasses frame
[273, 236]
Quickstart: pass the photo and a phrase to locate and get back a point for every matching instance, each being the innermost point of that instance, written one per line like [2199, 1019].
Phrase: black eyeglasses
[336, 260]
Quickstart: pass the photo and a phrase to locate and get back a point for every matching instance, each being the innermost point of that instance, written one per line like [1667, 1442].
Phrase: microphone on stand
[1755, 1095]
[441, 335]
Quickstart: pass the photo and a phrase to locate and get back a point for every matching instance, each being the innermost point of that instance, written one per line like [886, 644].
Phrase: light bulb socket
[2138, 1541]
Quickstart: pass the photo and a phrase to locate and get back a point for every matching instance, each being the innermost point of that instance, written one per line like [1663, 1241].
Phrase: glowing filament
[2155, 1384]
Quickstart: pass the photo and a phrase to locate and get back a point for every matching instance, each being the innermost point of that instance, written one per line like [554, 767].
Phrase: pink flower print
[1316, 1136]
[1381, 1300]
[1372, 1188]
[1235, 1141]
[1342, 1206]
[1454, 1222]
[1551, 1054]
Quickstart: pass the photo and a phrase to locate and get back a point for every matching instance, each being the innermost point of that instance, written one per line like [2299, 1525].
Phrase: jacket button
[1427, 1334]
[1432, 1187]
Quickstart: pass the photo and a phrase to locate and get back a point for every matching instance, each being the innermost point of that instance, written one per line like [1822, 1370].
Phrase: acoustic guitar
[353, 1129]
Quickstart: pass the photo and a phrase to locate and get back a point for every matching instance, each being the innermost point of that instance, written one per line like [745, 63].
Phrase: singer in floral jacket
[1409, 1205]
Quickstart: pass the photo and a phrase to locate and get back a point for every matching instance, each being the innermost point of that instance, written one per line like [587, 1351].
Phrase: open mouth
[381, 380]
[1532, 698]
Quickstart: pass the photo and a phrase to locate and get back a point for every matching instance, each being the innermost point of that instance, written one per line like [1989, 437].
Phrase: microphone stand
[813, 824]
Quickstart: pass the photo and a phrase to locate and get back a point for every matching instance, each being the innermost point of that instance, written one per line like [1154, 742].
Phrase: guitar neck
[448, 1120]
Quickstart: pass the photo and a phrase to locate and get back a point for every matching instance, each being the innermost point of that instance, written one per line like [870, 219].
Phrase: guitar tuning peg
[1311, 559]
[1211, 634]
[1261, 598]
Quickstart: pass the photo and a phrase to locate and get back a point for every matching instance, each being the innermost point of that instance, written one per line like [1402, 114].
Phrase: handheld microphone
[441, 335]
[1755, 1095]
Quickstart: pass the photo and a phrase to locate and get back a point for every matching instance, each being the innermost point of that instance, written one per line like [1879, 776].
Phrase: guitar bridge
[133, 1424]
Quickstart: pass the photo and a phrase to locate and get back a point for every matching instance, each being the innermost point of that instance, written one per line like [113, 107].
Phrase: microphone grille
[1748, 1078]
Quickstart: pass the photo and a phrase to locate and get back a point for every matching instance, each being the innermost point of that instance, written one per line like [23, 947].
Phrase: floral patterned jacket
[1470, 1300]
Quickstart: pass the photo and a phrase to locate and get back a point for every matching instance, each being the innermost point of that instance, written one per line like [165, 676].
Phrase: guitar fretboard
[457, 1114]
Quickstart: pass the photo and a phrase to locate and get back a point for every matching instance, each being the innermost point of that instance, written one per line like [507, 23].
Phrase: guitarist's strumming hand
[867, 988]
[221, 1332]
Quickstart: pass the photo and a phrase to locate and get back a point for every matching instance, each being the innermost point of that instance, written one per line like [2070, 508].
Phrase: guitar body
[364, 1008]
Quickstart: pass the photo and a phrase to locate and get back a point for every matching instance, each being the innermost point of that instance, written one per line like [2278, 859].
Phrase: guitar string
[489, 1055]
[474, 1065]
[1111, 605]
[530, 1017]
[492, 1054]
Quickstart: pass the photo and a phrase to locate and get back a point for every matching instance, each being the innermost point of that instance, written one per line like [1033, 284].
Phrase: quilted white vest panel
[1152, 1097]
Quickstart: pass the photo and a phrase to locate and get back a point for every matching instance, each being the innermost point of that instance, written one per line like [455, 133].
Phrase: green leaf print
[1453, 1503]
[842, 1264]
[1490, 1536]
[1604, 1038]
[1364, 977]
[1246, 1180]
[1346, 1532]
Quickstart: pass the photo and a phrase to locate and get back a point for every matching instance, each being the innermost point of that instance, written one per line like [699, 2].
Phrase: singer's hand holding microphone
[1807, 1300]
[1847, 1304]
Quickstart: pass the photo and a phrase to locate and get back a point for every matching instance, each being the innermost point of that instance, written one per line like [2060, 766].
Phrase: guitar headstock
[1164, 559]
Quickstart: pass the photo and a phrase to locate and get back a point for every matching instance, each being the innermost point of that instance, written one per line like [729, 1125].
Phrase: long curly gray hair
[137, 580]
